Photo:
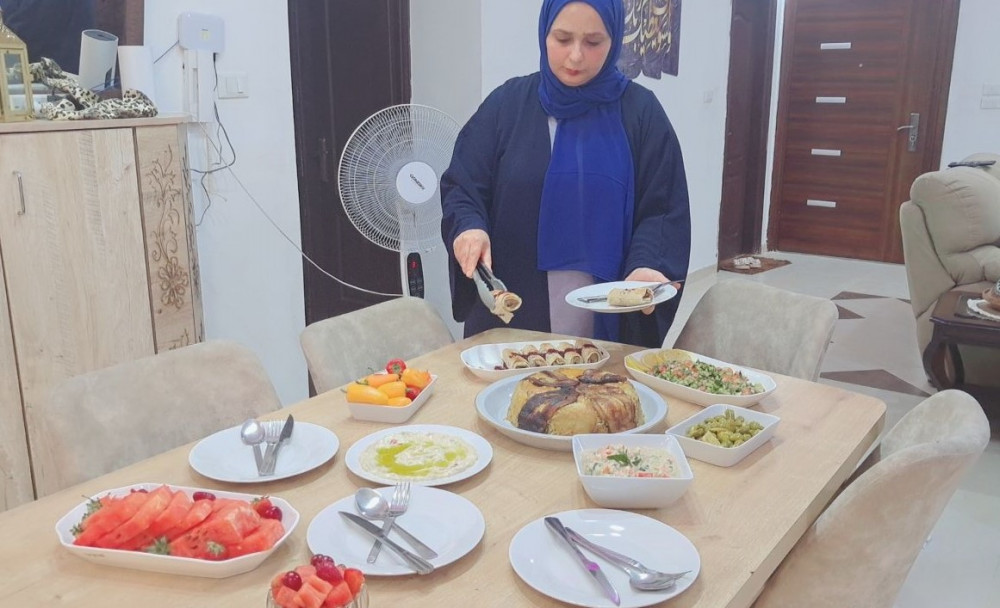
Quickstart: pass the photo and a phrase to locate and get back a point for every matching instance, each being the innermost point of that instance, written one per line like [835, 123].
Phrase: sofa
[951, 242]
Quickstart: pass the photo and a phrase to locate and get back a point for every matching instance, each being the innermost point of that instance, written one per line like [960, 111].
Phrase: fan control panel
[415, 274]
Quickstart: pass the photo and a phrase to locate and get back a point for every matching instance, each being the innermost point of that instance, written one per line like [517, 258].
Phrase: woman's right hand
[471, 247]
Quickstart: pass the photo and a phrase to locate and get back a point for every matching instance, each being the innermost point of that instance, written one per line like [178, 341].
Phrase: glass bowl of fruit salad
[321, 583]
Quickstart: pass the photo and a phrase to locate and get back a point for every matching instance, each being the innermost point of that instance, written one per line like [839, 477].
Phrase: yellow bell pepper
[394, 389]
[362, 393]
[400, 401]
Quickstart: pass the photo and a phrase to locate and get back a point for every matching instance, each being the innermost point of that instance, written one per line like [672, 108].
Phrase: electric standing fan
[388, 182]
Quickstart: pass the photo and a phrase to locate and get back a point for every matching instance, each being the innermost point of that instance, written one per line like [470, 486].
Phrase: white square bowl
[633, 492]
[717, 455]
[391, 413]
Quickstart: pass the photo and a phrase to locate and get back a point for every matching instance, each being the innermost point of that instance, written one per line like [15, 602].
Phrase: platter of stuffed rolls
[496, 361]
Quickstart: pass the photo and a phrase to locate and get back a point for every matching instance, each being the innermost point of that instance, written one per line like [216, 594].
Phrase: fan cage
[374, 155]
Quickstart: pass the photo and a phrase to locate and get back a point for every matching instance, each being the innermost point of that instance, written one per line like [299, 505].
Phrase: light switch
[233, 85]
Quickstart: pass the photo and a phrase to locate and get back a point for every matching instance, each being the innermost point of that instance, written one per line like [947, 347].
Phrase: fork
[397, 506]
[272, 434]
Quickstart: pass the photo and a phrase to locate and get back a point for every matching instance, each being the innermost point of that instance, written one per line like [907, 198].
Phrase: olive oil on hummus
[413, 455]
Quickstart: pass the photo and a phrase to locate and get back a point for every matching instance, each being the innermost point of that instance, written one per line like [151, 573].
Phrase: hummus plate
[423, 454]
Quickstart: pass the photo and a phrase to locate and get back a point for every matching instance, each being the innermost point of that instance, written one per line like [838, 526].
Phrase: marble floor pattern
[874, 351]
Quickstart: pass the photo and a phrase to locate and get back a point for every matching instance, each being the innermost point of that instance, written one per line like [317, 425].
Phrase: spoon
[640, 577]
[372, 505]
[252, 434]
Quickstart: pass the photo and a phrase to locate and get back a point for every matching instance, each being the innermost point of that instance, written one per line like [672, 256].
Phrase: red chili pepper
[395, 366]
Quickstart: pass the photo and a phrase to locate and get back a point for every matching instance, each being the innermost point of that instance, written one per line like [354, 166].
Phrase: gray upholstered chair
[101, 421]
[756, 325]
[860, 549]
[348, 346]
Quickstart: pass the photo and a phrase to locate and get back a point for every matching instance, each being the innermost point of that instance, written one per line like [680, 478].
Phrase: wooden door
[853, 74]
[751, 47]
[73, 256]
[349, 60]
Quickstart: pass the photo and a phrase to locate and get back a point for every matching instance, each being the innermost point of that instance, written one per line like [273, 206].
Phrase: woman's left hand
[647, 275]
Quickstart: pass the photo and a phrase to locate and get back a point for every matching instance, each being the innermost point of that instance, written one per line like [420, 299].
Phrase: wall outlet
[233, 85]
[989, 102]
[201, 32]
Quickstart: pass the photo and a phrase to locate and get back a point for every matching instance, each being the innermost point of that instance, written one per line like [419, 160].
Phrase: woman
[568, 177]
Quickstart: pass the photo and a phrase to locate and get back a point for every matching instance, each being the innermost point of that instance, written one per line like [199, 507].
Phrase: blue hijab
[585, 220]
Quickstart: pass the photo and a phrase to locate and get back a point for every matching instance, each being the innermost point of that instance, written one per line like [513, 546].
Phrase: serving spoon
[372, 505]
[252, 434]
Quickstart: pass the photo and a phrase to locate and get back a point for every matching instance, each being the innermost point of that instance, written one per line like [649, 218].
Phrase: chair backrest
[860, 549]
[756, 325]
[346, 347]
[101, 421]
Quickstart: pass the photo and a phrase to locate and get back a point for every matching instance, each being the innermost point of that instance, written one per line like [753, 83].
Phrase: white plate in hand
[444, 521]
[545, 562]
[602, 289]
[224, 457]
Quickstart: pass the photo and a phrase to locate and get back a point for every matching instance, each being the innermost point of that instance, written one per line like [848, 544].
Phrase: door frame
[743, 192]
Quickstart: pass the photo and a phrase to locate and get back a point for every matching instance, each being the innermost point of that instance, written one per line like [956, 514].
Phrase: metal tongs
[487, 284]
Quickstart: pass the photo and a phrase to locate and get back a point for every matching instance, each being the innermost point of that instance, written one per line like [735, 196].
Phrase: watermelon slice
[263, 538]
[112, 514]
[138, 523]
[199, 512]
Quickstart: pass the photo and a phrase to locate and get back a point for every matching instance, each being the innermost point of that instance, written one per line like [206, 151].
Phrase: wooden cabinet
[98, 256]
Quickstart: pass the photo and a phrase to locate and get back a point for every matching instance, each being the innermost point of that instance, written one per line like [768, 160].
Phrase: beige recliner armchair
[951, 242]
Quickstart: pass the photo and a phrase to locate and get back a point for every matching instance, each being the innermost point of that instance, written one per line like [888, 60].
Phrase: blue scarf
[585, 220]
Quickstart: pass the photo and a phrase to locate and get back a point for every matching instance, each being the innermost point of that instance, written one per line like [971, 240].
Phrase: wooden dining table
[743, 519]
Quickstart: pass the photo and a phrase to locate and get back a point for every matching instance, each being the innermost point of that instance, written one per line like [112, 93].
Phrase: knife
[591, 566]
[419, 564]
[270, 460]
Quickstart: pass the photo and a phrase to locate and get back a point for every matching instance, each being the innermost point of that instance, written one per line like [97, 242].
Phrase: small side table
[950, 330]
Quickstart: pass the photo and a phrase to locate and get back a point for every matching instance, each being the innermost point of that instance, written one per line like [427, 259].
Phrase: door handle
[20, 190]
[914, 129]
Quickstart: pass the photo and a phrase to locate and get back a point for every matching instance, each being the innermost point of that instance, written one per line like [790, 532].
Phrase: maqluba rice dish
[574, 401]
[418, 456]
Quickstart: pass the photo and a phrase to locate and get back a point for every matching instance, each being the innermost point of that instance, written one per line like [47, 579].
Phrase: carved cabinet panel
[98, 267]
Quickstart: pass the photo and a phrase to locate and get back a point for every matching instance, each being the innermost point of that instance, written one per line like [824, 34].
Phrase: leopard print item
[82, 104]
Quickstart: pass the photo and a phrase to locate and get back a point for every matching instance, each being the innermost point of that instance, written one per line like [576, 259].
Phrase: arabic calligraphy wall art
[652, 38]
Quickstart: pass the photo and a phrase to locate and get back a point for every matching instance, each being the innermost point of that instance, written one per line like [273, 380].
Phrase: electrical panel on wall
[201, 36]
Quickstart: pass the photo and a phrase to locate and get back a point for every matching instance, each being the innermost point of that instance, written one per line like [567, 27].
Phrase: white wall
[251, 277]
[446, 61]
[968, 127]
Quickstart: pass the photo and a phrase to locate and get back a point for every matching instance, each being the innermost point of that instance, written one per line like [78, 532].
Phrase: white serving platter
[696, 396]
[493, 402]
[165, 564]
[483, 360]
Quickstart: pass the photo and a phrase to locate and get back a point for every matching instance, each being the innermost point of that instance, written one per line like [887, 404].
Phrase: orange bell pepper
[362, 393]
[417, 378]
[378, 380]
[393, 389]
[400, 401]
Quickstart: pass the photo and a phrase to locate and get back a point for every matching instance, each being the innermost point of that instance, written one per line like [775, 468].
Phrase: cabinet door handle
[20, 189]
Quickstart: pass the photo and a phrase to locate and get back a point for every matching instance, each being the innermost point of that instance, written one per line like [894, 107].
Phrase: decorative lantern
[15, 79]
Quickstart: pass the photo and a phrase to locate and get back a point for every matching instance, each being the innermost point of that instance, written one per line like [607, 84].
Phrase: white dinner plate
[546, 563]
[483, 360]
[699, 397]
[601, 289]
[224, 457]
[484, 453]
[493, 402]
[166, 564]
[446, 522]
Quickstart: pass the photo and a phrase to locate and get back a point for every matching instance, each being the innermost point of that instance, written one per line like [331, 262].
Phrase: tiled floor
[874, 351]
